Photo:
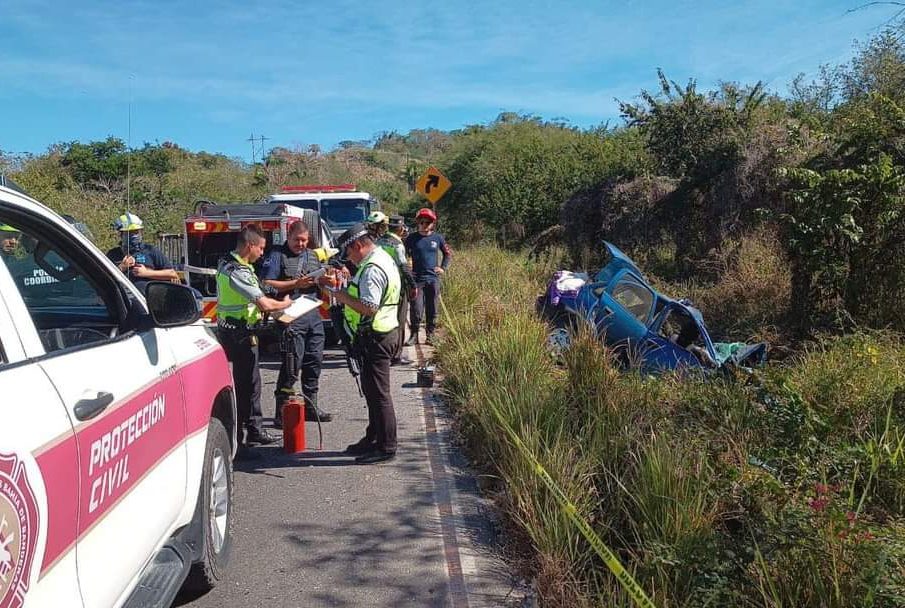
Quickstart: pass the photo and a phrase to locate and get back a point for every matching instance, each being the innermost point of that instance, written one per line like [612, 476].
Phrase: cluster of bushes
[93, 182]
[787, 489]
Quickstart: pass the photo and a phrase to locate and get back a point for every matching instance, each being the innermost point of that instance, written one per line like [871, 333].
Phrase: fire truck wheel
[215, 508]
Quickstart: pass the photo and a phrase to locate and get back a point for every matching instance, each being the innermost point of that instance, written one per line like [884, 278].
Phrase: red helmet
[427, 213]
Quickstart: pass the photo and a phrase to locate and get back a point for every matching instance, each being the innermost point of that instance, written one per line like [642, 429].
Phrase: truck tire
[215, 510]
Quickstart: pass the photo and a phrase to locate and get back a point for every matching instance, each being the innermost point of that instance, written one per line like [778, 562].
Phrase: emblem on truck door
[19, 525]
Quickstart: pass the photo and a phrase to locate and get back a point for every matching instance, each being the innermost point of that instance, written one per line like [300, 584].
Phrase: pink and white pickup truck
[117, 426]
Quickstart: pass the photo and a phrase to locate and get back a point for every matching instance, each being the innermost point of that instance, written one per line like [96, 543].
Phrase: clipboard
[300, 306]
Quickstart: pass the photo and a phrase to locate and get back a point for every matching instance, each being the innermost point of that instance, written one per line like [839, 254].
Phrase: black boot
[314, 413]
[255, 435]
[362, 446]
[278, 412]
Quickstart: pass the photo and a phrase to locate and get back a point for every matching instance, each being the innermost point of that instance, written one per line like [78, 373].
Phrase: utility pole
[252, 140]
[262, 138]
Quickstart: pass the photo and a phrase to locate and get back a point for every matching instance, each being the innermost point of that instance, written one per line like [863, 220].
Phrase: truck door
[38, 470]
[115, 376]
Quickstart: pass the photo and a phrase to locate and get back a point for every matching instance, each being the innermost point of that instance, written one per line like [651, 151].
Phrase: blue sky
[206, 75]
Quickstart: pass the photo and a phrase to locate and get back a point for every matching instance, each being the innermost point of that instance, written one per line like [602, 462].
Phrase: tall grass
[783, 491]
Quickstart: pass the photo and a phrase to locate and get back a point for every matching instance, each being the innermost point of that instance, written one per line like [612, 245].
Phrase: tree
[98, 164]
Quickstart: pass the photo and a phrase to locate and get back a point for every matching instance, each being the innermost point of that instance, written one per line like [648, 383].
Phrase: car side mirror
[171, 304]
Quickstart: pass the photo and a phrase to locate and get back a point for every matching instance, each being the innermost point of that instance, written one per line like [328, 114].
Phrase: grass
[784, 490]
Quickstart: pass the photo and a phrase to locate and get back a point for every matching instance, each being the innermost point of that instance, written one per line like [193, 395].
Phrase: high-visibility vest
[230, 303]
[386, 319]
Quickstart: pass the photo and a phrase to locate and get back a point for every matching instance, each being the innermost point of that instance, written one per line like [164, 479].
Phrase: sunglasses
[425, 222]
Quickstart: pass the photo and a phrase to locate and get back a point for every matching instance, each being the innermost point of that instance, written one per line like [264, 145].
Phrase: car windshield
[344, 212]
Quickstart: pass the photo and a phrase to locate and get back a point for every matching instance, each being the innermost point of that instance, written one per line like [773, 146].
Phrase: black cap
[396, 221]
[349, 236]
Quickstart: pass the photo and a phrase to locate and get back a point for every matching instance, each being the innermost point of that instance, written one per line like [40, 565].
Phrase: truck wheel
[215, 510]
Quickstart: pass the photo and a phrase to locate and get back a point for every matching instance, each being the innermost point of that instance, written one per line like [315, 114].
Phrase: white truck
[341, 206]
[117, 427]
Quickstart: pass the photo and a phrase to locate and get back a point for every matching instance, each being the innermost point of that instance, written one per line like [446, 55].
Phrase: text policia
[115, 442]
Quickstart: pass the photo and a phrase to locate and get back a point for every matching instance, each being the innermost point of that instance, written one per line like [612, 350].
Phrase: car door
[621, 308]
[116, 378]
[38, 471]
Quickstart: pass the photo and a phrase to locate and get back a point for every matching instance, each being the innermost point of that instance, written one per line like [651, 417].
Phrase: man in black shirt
[287, 271]
[141, 261]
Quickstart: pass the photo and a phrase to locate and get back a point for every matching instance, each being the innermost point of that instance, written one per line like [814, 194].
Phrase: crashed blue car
[646, 328]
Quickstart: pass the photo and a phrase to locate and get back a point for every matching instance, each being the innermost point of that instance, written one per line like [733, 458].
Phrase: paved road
[316, 530]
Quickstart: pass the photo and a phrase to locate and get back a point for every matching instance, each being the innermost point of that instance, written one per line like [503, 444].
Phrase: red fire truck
[210, 234]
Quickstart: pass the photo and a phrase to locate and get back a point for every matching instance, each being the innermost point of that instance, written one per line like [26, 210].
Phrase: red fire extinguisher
[294, 425]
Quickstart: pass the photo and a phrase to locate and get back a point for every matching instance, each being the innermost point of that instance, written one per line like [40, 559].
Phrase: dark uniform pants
[426, 301]
[241, 347]
[401, 314]
[376, 350]
[305, 336]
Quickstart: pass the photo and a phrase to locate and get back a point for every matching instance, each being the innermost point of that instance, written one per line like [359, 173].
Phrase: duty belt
[231, 324]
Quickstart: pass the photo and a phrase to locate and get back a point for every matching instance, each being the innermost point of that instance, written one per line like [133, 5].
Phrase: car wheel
[215, 510]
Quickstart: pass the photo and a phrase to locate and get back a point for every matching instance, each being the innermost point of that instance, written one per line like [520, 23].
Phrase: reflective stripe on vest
[230, 303]
[391, 244]
[386, 319]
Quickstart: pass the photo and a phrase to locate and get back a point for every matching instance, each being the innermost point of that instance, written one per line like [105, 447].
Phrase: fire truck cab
[341, 206]
[210, 234]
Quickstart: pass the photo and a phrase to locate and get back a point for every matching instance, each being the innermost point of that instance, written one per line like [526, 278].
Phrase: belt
[230, 324]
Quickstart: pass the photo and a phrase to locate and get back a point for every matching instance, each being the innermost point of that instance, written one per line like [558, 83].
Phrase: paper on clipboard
[298, 307]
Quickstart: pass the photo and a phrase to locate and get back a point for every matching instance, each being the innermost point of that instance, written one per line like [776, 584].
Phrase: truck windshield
[305, 203]
[344, 212]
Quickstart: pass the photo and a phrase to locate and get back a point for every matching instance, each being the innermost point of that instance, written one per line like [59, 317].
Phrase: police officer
[387, 234]
[240, 304]
[369, 311]
[9, 239]
[141, 261]
[288, 270]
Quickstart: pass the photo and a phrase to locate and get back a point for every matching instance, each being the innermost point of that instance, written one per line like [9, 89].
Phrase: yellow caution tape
[612, 562]
[627, 581]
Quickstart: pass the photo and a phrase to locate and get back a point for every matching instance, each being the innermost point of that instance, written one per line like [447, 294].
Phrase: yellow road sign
[433, 185]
